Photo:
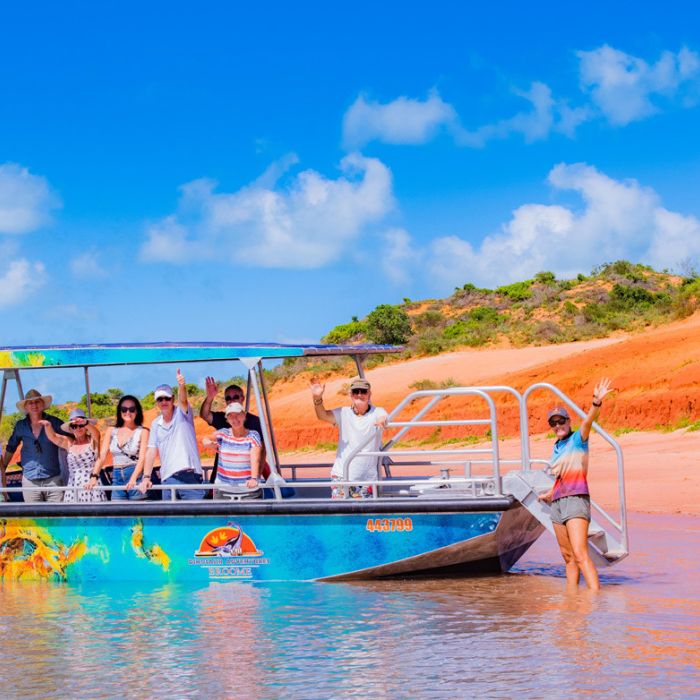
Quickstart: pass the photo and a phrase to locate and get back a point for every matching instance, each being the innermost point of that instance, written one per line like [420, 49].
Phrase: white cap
[235, 407]
[163, 390]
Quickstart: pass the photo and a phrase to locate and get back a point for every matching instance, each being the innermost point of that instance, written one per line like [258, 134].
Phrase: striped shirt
[234, 455]
[570, 466]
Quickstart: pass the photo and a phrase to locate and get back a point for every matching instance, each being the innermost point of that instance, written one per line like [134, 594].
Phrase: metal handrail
[621, 527]
[435, 395]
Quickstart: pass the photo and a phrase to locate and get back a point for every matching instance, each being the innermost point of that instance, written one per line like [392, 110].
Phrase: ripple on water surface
[516, 635]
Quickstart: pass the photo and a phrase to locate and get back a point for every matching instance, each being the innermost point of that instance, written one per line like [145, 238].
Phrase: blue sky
[262, 174]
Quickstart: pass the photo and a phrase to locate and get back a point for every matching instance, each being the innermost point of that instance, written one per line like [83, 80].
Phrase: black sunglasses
[233, 397]
[362, 392]
[37, 446]
[557, 421]
[73, 426]
[164, 398]
[128, 409]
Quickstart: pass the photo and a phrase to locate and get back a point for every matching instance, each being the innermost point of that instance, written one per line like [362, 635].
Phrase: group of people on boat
[240, 454]
[238, 444]
[134, 448]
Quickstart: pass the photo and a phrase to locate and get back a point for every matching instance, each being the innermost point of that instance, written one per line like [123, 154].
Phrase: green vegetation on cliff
[615, 296]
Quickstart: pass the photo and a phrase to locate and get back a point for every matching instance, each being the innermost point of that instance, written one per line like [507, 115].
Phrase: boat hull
[264, 541]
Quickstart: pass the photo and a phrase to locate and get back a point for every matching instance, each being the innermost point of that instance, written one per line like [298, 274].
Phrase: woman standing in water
[569, 496]
[82, 449]
[127, 442]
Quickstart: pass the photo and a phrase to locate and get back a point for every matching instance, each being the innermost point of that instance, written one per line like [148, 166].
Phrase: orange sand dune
[656, 376]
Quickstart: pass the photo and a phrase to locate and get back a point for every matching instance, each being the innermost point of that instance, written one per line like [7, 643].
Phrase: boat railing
[464, 455]
[620, 525]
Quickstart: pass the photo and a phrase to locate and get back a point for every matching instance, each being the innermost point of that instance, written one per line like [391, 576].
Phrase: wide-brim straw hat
[30, 396]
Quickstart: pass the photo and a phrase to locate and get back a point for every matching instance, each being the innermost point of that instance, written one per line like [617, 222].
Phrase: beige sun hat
[30, 396]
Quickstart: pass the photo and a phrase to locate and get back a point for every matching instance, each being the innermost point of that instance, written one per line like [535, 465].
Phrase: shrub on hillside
[546, 278]
[518, 291]
[388, 325]
[345, 332]
[429, 319]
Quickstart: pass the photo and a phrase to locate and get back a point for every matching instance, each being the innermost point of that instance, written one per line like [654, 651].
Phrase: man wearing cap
[359, 424]
[569, 495]
[173, 438]
[39, 457]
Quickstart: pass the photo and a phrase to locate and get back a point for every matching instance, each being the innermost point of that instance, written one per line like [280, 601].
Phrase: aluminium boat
[461, 516]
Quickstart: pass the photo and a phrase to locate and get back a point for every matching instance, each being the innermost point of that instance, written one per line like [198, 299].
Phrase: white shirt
[353, 430]
[176, 443]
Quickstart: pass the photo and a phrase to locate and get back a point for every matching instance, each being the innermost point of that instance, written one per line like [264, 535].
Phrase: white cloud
[622, 86]
[88, 266]
[615, 86]
[21, 279]
[546, 115]
[618, 219]
[401, 121]
[399, 256]
[26, 200]
[307, 224]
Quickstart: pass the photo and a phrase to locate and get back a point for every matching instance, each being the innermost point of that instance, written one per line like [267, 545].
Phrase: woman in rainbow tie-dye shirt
[569, 496]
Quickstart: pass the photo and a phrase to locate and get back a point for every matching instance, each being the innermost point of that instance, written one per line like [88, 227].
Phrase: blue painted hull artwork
[257, 548]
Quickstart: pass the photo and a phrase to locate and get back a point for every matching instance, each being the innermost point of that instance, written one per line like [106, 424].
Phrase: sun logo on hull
[227, 541]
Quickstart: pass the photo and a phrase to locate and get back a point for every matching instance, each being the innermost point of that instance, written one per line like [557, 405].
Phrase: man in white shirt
[360, 424]
[172, 436]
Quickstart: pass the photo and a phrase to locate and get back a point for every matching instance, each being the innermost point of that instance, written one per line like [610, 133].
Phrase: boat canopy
[38, 356]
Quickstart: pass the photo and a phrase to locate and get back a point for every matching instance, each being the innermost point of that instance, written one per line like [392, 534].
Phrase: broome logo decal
[228, 552]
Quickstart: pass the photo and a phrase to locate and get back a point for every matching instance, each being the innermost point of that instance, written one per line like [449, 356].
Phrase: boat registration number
[389, 525]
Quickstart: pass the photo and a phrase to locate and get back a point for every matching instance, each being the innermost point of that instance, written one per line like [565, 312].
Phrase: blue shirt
[39, 456]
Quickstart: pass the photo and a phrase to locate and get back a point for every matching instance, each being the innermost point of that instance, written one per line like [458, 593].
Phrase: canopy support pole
[6, 376]
[359, 363]
[253, 364]
[88, 400]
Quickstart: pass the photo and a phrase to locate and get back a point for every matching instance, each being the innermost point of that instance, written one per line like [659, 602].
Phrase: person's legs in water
[572, 569]
[577, 531]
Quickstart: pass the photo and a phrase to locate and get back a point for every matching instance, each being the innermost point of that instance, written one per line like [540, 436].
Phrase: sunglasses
[557, 421]
[233, 397]
[37, 446]
[75, 426]
[160, 399]
[360, 392]
[128, 409]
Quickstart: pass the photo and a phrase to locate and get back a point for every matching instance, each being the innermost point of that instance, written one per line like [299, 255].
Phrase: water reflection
[520, 634]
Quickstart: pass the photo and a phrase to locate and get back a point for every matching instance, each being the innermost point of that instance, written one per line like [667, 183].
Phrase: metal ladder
[605, 549]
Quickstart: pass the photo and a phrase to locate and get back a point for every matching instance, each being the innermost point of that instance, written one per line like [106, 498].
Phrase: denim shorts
[569, 507]
[120, 477]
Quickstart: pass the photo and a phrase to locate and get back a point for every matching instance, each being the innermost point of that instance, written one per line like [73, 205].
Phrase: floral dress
[81, 460]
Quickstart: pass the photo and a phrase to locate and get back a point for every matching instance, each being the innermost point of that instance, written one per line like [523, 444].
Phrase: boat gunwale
[308, 506]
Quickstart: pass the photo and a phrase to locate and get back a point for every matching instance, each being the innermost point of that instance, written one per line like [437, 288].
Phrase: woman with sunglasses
[569, 496]
[127, 442]
[82, 448]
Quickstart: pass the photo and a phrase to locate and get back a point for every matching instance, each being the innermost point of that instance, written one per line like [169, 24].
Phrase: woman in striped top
[239, 451]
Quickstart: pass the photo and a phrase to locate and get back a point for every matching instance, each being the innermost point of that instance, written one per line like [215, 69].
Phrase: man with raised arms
[173, 438]
[359, 423]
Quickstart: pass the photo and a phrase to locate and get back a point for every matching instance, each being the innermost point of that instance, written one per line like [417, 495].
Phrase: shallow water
[507, 636]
